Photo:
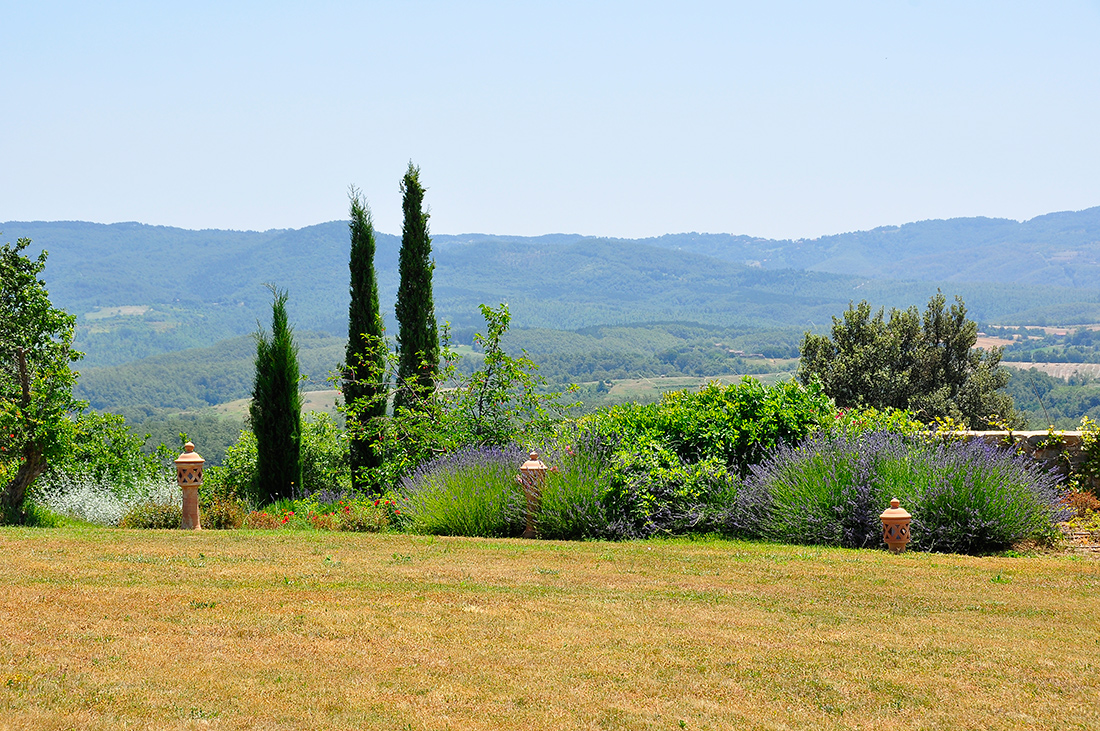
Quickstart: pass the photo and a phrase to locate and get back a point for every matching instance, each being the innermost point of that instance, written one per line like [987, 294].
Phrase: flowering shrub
[471, 492]
[572, 504]
[964, 497]
[263, 520]
[356, 516]
[854, 421]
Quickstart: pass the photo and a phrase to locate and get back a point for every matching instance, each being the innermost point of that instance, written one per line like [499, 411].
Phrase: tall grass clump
[965, 497]
[470, 492]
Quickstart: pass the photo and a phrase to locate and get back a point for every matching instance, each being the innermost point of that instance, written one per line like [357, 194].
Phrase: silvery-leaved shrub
[100, 500]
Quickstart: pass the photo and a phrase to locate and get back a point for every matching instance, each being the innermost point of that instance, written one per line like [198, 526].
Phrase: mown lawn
[108, 629]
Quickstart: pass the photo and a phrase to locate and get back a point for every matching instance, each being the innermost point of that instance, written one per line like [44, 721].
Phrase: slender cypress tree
[364, 374]
[418, 335]
[276, 410]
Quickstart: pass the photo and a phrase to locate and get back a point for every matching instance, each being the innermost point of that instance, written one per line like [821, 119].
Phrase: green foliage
[365, 361]
[276, 409]
[325, 465]
[154, 516]
[500, 403]
[235, 476]
[857, 420]
[670, 463]
[1088, 472]
[736, 424]
[418, 336]
[105, 450]
[929, 367]
[36, 383]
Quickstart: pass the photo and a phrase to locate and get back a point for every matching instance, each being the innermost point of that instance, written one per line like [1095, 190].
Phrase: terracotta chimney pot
[895, 526]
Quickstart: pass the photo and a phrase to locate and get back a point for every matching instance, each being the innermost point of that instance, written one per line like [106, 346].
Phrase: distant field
[650, 389]
[324, 401]
[1058, 370]
[1055, 329]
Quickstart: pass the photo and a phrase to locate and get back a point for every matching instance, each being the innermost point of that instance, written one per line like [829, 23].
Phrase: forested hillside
[165, 314]
[143, 290]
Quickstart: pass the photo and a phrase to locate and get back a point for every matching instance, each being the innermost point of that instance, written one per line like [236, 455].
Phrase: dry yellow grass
[109, 629]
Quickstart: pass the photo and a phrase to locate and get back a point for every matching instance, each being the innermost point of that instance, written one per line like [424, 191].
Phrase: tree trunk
[34, 462]
[11, 501]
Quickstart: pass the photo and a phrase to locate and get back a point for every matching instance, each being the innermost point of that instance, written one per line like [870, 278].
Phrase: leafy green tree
[927, 365]
[500, 402]
[418, 333]
[365, 362]
[276, 409]
[36, 382]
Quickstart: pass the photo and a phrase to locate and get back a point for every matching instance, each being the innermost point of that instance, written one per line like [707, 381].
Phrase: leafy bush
[233, 478]
[858, 420]
[471, 492]
[153, 515]
[965, 497]
[737, 424]
[325, 465]
[655, 491]
[673, 466]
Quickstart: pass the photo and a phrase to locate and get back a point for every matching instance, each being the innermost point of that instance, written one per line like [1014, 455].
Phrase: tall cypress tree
[364, 374]
[276, 410]
[418, 335]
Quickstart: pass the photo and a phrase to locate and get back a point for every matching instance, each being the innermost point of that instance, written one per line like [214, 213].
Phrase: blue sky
[778, 119]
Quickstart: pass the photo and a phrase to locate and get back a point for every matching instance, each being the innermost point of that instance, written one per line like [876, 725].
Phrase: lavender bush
[471, 492]
[964, 497]
[572, 505]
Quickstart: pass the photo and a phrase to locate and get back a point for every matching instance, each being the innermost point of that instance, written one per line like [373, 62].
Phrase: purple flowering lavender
[469, 492]
[964, 497]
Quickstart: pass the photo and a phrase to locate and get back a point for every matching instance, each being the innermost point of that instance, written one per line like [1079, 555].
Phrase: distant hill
[141, 290]
[1056, 249]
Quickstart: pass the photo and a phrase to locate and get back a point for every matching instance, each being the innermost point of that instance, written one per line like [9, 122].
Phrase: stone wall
[1064, 452]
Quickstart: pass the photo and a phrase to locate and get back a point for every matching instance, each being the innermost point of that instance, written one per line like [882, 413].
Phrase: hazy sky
[770, 118]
